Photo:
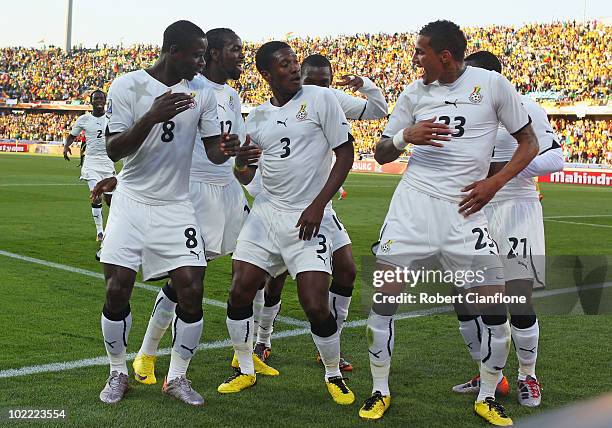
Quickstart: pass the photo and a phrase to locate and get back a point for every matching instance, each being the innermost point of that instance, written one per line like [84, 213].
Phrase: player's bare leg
[116, 322]
[525, 335]
[313, 292]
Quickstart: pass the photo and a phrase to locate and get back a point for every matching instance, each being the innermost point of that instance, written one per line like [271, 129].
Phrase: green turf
[49, 315]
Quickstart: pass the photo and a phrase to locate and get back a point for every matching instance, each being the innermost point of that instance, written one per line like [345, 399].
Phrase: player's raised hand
[351, 81]
[247, 154]
[105, 185]
[67, 151]
[310, 221]
[168, 105]
[480, 193]
[427, 133]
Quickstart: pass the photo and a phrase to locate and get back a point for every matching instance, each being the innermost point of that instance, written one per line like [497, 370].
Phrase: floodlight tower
[68, 39]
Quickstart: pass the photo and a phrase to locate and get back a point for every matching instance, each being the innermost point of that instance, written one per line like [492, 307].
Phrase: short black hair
[263, 57]
[217, 38]
[316, 60]
[96, 91]
[484, 59]
[445, 35]
[181, 33]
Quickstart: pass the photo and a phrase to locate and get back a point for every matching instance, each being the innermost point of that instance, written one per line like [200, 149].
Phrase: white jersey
[94, 135]
[506, 145]
[296, 140]
[230, 120]
[374, 107]
[472, 106]
[158, 172]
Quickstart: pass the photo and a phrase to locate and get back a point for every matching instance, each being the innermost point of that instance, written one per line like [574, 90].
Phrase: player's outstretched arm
[424, 133]
[545, 163]
[310, 220]
[67, 145]
[374, 107]
[246, 161]
[165, 107]
[481, 192]
[219, 148]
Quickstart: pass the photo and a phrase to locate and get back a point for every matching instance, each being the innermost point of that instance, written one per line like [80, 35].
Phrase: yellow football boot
[375, 407]
[493, 412]
[236, 383]
[260, 367]
[144, 369]
[339, 391]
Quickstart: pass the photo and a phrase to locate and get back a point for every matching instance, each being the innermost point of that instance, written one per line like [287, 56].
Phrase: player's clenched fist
[168, 105]
[427, 132]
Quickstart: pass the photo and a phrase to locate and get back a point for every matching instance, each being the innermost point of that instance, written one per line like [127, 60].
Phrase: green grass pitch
[49, 315]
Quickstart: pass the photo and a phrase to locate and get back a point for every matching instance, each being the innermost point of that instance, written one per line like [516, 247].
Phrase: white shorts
[270, 240]
[160, 238]
[518, 228]
[420, 228]
[340, 237]
[220, 211]
[96, 170]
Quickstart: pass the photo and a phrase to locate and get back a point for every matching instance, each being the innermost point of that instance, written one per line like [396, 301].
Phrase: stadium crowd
[568, 58]
[583, 140]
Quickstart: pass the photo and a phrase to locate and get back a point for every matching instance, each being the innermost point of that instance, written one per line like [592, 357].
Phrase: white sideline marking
[206, 301]
[42, 184]
[579, 223]
[103, 360]
[577, 216]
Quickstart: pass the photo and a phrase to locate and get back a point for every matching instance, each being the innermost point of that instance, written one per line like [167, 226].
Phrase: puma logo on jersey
[523, 264]
[192, 350]
[454, 103]
[319, 257]
[196, 254]
[219, 105]
[280, 122]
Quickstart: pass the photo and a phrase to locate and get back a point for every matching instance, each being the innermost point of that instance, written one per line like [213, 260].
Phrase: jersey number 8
[168, 135]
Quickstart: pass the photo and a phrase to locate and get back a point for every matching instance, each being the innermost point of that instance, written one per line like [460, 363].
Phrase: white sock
[185, 340]
[96, 212]
[526, 344]
[471, 331]
[258, 305]
[266, 324]
[161, 317]
[341, 190]
[494, 349]
[380, 335]
[329, 350]
[241, 334]
[178, 365]
[115, 335]
[339, 306]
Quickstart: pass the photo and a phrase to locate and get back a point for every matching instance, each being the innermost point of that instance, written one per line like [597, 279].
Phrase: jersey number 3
[286, 148]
